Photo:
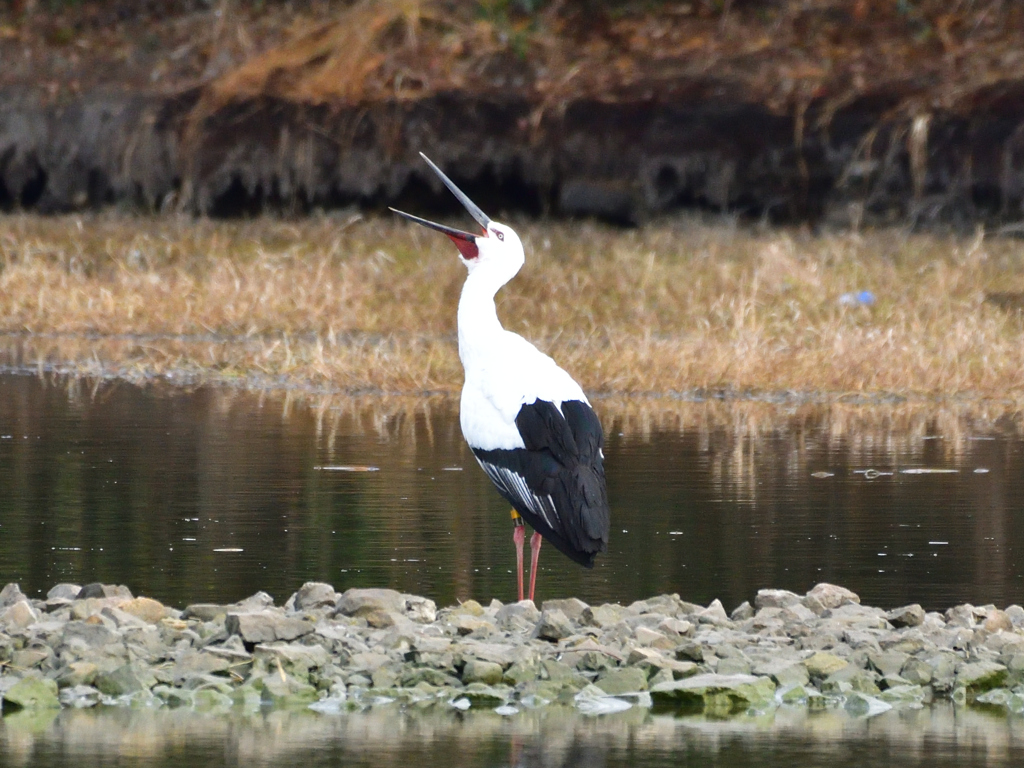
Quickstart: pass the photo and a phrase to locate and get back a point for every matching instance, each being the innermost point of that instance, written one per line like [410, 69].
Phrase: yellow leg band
[515, 515]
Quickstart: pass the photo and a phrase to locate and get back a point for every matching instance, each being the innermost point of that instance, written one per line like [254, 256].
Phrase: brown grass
[676, 307]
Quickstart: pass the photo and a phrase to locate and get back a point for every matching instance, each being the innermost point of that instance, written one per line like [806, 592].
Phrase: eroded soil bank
[833, 111]
[694, 146]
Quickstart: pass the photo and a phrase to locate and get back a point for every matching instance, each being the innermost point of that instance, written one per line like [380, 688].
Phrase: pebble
[100, 645]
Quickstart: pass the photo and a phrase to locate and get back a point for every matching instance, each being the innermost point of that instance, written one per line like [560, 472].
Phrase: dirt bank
[835, 111]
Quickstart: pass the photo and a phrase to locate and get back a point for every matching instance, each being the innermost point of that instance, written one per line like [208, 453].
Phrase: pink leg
[518, 537]
[535, 541]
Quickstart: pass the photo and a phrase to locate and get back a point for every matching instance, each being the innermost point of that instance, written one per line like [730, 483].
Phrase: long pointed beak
[481, 218]
[450, 231]
[464, 241]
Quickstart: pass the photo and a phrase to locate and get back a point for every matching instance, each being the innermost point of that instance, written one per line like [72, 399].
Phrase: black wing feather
[557, 481]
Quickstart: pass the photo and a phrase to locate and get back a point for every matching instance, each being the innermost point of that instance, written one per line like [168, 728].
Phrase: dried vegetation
[369, 305]
[779, 52]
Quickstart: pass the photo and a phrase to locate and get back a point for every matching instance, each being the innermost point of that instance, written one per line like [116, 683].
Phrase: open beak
[464, 241]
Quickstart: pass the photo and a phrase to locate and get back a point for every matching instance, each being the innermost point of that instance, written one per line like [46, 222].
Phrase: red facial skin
[467, 247]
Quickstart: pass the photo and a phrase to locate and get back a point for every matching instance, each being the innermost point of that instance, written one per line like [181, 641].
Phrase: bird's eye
[501, 235]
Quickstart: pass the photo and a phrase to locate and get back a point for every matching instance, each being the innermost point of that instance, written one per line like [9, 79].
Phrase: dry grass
[370, 305]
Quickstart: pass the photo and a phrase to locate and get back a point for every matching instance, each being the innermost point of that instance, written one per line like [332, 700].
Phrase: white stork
[526, 420]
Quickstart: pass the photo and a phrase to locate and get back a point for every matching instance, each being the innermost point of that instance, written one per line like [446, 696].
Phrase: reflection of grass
[676, 306]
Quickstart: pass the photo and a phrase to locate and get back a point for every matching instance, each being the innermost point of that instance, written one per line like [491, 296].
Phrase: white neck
[478, 321]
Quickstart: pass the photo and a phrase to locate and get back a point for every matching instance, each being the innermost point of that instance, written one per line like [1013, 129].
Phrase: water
[214, 494]
[937, 737]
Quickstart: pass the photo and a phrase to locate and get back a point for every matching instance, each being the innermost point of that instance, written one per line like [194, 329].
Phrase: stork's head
[497, 249]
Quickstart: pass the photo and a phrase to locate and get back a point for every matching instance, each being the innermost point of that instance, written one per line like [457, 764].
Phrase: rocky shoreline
[365, 648]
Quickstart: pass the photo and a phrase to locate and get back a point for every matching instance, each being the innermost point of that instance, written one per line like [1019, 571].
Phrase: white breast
[499, 381]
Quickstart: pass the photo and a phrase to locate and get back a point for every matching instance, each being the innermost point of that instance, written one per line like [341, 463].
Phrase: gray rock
[124, 680]
[785, 672]
[121, 619]
[104, 590]
[206, 611]
[603, 616]
[943, 668]
[435, 677]
[797, 613]
[420, 609]
[367, 661]
[814, 605]
[313, 595]
[907, 616]
[851, 678]
[18, 616]
[962, 616]
[266, 626]
[980, 676]
[501, 653]
[192, 663]
[79, 697]
[560, 672]
[11, 594]
[692, 651]
[903, 694]
[775, 598]
[666, 605]
[572, 607]
[517, 617]
[359, 602]
[64, 592]
[678, 627]
[859, 616]
[888, 662]
[286, 691]
[486, 672]
[470, 607]
[863, 705]
[387, 676]
[522, 672]
[734, 665]
[713, 614]
[821, 665]
[27, 658]
[145, 608]
[831, 596]
[84, 634]
[742, 612]
[997, 621]
[1016, 614]
[78, 673]
[554, 625]
[625, 680]
[467, 624]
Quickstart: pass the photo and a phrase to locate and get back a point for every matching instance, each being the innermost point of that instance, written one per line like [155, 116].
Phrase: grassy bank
[353, 305]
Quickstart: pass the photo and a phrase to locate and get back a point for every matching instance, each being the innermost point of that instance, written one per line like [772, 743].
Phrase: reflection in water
[552, 737]
[214, 494]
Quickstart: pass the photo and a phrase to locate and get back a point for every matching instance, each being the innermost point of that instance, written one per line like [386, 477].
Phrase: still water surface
[937, 737]
[214, 494]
